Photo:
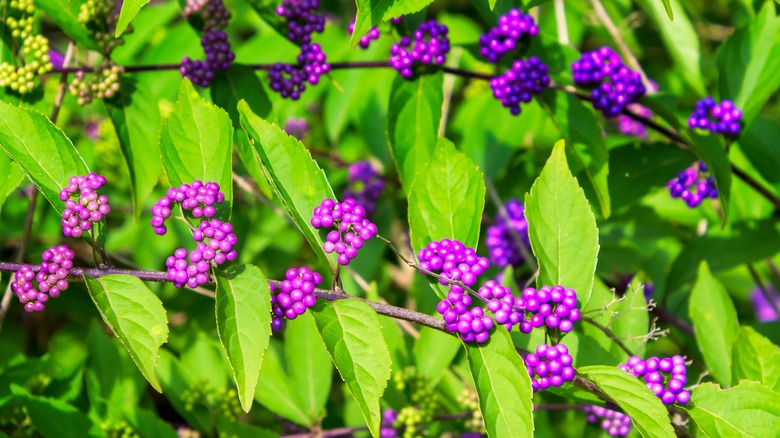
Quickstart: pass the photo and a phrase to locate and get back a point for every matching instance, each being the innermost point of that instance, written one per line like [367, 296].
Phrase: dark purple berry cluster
[470, 323]
[500, 240]
[293, 296]
[197, 198]
[215, 244]
[302, 19]
[351, 228]
[51, 278]
[366, 185]
[296, 127]
[213, 12]
[693, 185]
[314, 63]
[549, 367]
[431, 46]
[665, 377]
[502, 303]
[366, 39]
[452, 260]
[219, 56]
[723, 118]
[290, 80]
[613, 422]
[554, 307]
[615, 85]
[520, 83]
[78, 217]
[504, 38]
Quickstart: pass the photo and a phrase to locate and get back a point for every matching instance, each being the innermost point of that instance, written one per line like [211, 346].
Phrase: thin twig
[611, 335]
[764, 291]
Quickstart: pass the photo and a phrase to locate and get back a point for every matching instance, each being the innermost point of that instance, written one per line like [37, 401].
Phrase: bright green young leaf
[413, 123]
[129, 10]
[206, 359]
[372, 12]
[136, 120]
[55, 418]
[434, 351]
[755, 358]
[176, 379]
[65, 13]
[746, 410]
[10, 177]
[274, 388]
[308, 365]
[148, 425]
[562, 228]
[631, 321]
[197, 143]
[244, 324]
[266, 9]
[503, 386]
[41, 149]
[647, 412]
[353, 336]
[136, 316]
[668, 8]
[715, 322]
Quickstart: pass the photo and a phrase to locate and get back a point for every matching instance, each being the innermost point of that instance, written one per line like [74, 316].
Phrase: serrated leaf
[413, 123]
[54, 418]
[295, 177]
[11, 175]
[308, 365]
[136, 316]
[136, 119]
[129, 10]
[196, 142]
[503, 386]
[746, 410]
[755, 358]
[66, 16]
[562, 228]
[353, 336]
[41, 149]
[243, 305]
[715, 322]
[630, 394]
[274, 389]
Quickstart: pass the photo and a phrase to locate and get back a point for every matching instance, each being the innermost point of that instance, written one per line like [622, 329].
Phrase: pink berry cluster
[613, 422]
[665, 377]
[78, 217]
[555, 307]
[197, 198]
[471, 324]
[215, 245]
[453, 261]
[51, 278]
[502, 303]
[549, 367]
[293, 296]
[351, 228]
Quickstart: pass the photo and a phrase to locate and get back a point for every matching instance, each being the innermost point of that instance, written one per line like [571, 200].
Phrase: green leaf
[10, 177]
[54, 418]
[748, 63]
[196, 143]
[41, 149]
[712, 150]
[308, 365]
[148, 425]
[136, 119]
[176, 379]
[434, 351]
[228, 428]
[274, 389]
[129, 10]
[715, 322]
[647, 412]
[295, 177]
[353, 336]
[503, 386]
[586, 149]
[631, 321]
[136, 316]
[65, 14]
[747, 410]
[562, 228]
[758, 145]
[413, 123]
[266, 9]
[755, 358]
[668, 7]
[244, 324]
[372, 12]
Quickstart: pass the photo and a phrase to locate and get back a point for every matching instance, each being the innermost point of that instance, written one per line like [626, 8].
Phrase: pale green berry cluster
[118, 429]
[422, 402]
[99, 18]
[34, 60]
[469, 400]
[103, 84]
[22, 26]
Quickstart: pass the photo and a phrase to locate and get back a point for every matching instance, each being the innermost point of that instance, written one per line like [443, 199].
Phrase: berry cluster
[549, 366]
[500, 240]
[293, 296]
[99, 18]
[722, 118]
[219, 56]
[290, 80]
[501, 302]
[628, 126]
[302, 19]
[351, 228]
[197, 198]
[694, 177]
[34, 50]
[103, 84]
[520, 83]
[78, 217]
[421, 401]
[389, 417]
[367, 185]
[615, 85]
[431, 46]
[555, 307]
[215, 244]
[504, 38]
[665, 377]
[453, 261]
[613, 422]
[471, 324]
[765, 312]
[297, 128]
[213, 13]
[366, 39]
[51, 278]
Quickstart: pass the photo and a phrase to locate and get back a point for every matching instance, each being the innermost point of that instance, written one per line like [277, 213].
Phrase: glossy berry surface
[302, 19]
[35, 289]
[350, 230]
[293, 296]
[470, 323]
[553, 307]
[719, 118]
[501, 302]
[501, 240]
[428, 46]
[520, 83]
[666, 377]
[693, 185]
[614, 423]
[614, 84]
[549, 366]
[90, 207]
[372, 35]
[198, 198]
[453, 261]
[504, 38]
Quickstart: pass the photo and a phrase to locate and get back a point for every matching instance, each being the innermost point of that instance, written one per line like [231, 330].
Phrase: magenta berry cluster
[613, 422]
[50, 279]
[293, 296]
[765, 312]
[296, 127]
[78, 216]
[351, 228]
[470, 323]
[693, 185]
[302, 19]
[198, 198]
[314, 63]
[366, 185]
[628, 126]
[453, 261]
[520, 83]
[721, 118]
[215, 245]
[501, 302]
[549, 367]
[665, 377]
[386, 430]
[430, 45]
[372, 35]
[501, 241]
[615, 85]
[505, 36]
[553, 307]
